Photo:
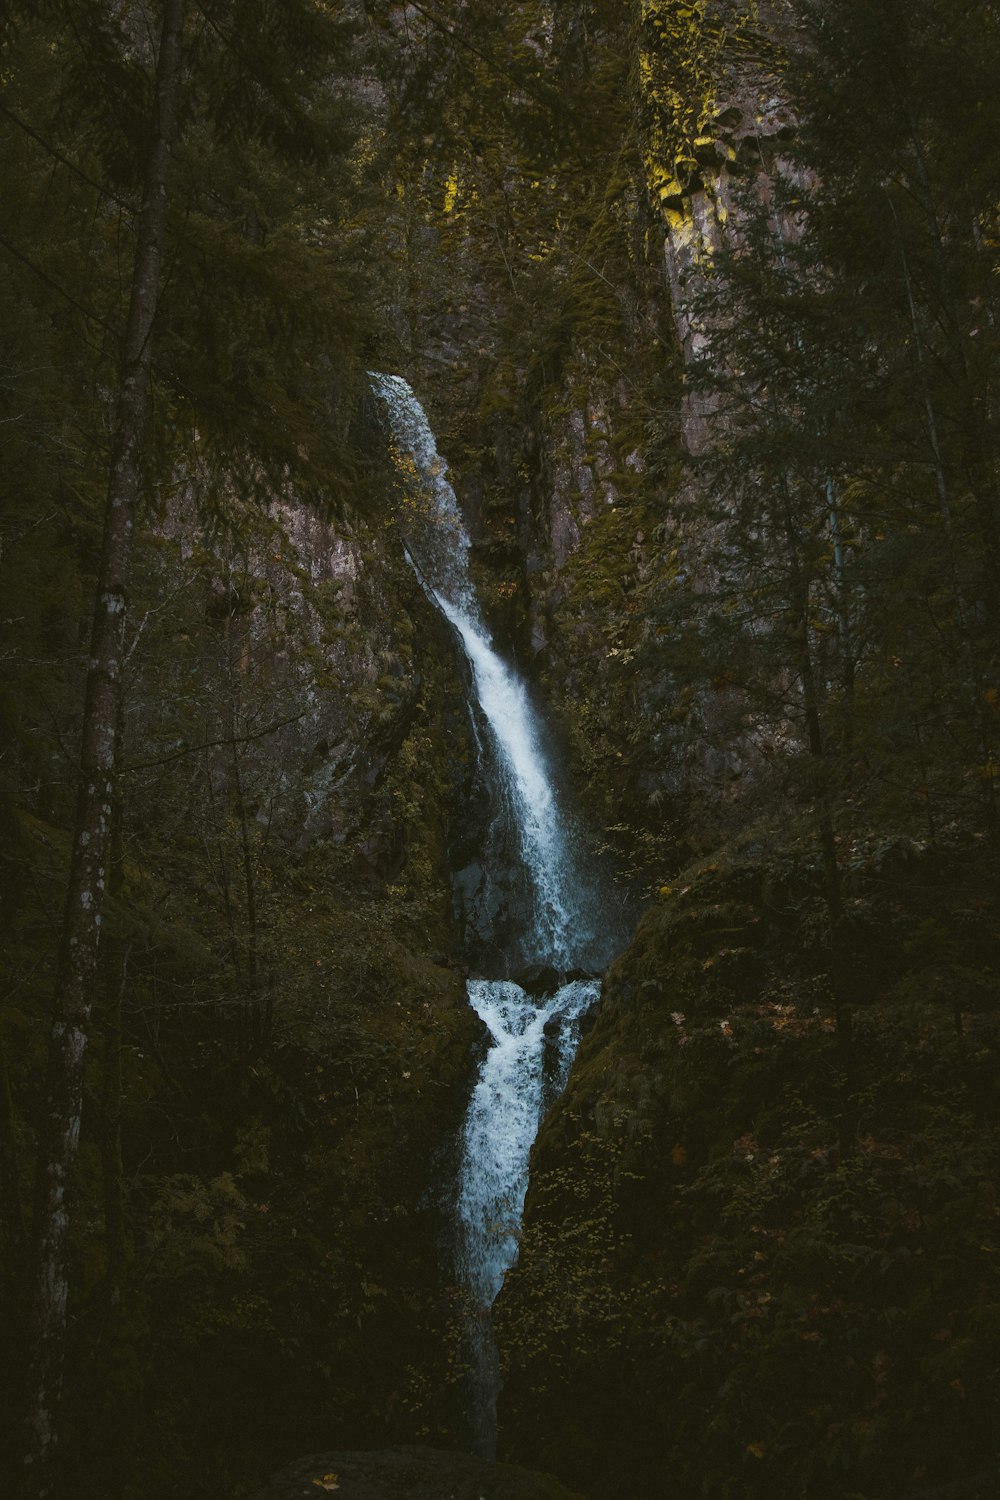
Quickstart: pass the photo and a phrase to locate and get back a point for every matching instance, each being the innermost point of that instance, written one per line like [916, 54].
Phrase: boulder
[408, 1473]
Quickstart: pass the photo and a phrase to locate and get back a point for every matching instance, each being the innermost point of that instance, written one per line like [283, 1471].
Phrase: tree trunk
[839, 959]
[843, 606]
[116, 1249]
[978, 460]
[12, 1234]
[92, 831]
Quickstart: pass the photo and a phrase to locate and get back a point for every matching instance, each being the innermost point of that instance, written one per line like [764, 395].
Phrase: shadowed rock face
[408, 1473]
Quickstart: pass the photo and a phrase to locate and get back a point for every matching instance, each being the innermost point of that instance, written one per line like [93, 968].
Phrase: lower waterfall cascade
[531, 907]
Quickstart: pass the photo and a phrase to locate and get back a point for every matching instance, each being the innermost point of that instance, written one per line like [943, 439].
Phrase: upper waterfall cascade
[527, 894]
[528, 899]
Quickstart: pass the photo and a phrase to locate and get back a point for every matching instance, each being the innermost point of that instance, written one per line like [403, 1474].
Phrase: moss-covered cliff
[720, 1292]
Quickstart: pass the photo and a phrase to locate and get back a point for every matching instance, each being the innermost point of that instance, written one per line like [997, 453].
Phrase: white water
[504, 701]
[436, 537]
[505, 1113]
[532, 1040]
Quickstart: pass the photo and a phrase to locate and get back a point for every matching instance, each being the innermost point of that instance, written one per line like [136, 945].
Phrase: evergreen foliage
[242, 369]
[845, 375]
[754, 561]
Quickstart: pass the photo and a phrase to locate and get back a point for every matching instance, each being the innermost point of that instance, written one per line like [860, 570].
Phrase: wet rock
[543, 979]
[408, 1473]
[538, 979]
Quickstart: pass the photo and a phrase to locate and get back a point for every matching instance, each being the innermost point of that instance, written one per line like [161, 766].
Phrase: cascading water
[526, 903]
[551, 916]
[524, 1069]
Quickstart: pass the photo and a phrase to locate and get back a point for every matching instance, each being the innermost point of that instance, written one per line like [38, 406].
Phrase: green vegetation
[702, 300]
[709, 1287]
[264, 781]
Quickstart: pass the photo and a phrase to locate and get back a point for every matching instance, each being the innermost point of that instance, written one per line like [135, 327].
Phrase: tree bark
[111, 1146]
[12, 1224]
[839, 967]
[93, 826]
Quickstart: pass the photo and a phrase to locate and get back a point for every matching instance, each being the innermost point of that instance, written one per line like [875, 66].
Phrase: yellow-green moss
[682, 57]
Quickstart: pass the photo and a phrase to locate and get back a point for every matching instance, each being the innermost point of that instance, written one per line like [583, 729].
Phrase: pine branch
[57, 287]
[104, 191]
[242, 739]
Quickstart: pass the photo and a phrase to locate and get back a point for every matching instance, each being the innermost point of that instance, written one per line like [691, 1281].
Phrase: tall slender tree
[218, 80]
[93, 827]
[93, 824]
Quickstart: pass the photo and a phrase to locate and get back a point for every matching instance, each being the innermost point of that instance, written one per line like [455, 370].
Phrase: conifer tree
[851, 474]
[850, 353]
[781, 615]
[900, 214]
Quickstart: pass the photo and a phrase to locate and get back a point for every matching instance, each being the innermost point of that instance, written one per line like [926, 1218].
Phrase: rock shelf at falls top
[528, 868]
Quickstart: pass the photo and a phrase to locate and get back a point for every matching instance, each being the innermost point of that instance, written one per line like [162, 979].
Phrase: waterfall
[525, 901]
[554, 893]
